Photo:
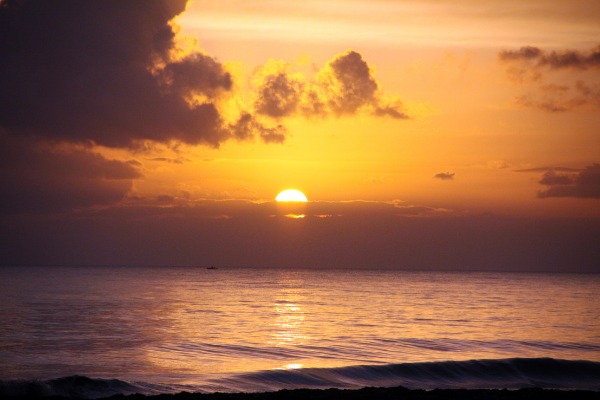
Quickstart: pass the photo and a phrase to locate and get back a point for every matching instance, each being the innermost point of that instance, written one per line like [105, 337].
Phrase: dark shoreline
[369, 393]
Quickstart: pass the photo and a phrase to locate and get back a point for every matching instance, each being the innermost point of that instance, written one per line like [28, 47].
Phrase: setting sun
[291, 195]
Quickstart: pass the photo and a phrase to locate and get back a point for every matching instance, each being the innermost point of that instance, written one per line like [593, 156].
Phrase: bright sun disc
[291, 195]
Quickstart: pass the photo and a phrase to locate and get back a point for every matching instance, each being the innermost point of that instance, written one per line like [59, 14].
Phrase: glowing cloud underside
[291, 195]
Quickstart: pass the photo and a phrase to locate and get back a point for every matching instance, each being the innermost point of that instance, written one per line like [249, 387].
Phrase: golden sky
[468, 113]
[414, 110]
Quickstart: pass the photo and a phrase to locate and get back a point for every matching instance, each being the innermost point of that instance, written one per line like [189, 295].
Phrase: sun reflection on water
[295, 216]
[292, 366]
[289, 316]
[288, 323]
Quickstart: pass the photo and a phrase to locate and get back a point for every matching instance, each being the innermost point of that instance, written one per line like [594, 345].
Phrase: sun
[291, 195]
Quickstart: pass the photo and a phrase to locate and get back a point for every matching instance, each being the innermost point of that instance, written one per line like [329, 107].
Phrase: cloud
[533, 66]
[344, 86]
[112, 73]
[390, 111]
[552, 178]
[561, 98]
[349, 83]
[546, 169]
[170, 160]
[524, 53]
[195, 74]
[41, 177]
[498, 164]
[444, 176]
[167, 231]
[279, 95]
[79, 76]
[554, 59]
[583, 184]
[105, 72]
[247, 126]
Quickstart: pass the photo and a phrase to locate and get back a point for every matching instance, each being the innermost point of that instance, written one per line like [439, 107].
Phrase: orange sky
[440, 60]
[435, 109]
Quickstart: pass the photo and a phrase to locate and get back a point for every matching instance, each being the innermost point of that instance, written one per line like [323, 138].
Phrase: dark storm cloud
[584, 184]
[554, 59]
[102, 71]
[444, 176]
[196, 74]
[38, 177]
[106, 72]
[78, 73]
[345, 86]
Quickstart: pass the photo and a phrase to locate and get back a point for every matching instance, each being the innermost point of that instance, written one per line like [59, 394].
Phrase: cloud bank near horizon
[163, 231]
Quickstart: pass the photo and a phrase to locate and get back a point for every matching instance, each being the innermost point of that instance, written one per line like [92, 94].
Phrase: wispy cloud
[532, 67]
[564, 59]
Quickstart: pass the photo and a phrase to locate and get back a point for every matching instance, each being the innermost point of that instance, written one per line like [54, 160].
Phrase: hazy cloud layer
[340, 235]
[532, 67]
[560, 98]
[546, 169]
[584, 184]
[345, 86]
[554, 59]
[39, 177]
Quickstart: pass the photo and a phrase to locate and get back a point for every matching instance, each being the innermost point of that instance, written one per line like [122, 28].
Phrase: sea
[97, 331]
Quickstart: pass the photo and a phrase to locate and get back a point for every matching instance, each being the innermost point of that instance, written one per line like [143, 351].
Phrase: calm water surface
[176, 324]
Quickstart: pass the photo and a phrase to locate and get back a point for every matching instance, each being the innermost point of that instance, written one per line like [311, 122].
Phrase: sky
[427, 135]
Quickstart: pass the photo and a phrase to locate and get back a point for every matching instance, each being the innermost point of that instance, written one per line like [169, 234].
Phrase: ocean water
[96, 331]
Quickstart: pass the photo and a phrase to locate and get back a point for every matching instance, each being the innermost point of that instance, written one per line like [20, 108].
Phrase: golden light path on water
[289, 322]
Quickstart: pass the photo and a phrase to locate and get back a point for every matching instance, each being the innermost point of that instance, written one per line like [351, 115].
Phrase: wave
[514, 373]
[70, 386]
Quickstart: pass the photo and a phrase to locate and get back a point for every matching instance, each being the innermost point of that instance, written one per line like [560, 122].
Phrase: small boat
[211, 267]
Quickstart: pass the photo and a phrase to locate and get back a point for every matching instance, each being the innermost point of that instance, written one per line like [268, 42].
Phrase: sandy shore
[366, 394]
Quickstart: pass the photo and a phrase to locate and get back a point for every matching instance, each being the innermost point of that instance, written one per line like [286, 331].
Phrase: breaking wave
[475, 374]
